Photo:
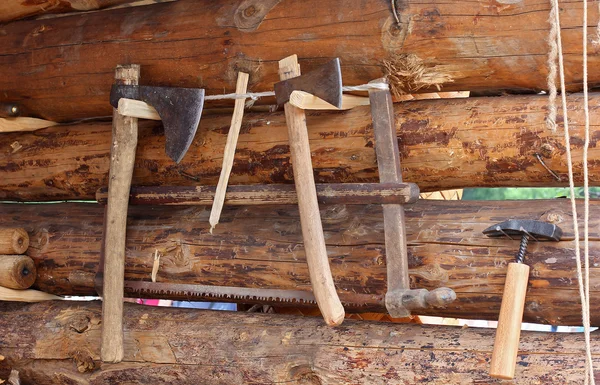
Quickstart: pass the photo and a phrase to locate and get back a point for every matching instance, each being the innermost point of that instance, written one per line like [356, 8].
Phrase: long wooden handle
[506, 345]
[17, 271]
[13, 240]
[122, 157]
[310, 217]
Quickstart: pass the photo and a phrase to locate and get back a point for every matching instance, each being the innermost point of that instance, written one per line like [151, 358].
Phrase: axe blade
[324, 82]
[180, 110]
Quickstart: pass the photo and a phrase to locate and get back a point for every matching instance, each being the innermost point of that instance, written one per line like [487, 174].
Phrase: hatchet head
[180, 110]
[325, 82]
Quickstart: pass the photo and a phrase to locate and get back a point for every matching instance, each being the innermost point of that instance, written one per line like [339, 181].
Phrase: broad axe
[326, 83]
[180, 110]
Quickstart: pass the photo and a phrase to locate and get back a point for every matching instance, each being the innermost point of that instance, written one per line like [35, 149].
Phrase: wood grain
[61, 69]
[13, 240]
[17, 271]
[443, 144]
[262, 247]
[60, 344]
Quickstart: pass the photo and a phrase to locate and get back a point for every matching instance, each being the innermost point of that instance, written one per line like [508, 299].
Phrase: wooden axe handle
[310, 217]
[506, 345]
[122, 157]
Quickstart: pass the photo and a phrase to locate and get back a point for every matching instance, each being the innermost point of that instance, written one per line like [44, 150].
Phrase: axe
[326, 83]
[180, 110]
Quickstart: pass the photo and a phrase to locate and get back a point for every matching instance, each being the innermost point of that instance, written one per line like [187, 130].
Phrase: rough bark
[18, 9]
[444, 144]
[60, 69]
[262, 247]
[59, 344]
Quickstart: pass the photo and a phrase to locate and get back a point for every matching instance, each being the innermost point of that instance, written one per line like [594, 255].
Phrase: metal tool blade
[517, 227]
[180, 110]
[191, 292]
[324, 82]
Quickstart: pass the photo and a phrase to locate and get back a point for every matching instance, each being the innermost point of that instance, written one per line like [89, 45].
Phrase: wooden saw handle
[310, 217]
[506, 345]
[122, 157]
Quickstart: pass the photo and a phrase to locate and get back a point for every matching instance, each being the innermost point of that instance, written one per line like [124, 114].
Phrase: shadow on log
[444, 144]
[60, 343]
[262, 247]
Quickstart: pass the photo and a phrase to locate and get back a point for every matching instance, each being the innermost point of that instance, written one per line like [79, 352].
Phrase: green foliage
[515, 193]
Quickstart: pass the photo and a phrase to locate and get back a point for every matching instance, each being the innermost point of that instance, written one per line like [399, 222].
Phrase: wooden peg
[13, 241]
[17, 271]
[306, 101]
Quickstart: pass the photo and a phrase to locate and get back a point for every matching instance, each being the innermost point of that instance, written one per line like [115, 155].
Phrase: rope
[589, 370]
[257, 95]
[552, 58]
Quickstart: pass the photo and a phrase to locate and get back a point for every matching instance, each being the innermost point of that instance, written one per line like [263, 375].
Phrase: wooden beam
[11, 10]
[456, 46]
[444, 144]
[60, 344]
[262, 247]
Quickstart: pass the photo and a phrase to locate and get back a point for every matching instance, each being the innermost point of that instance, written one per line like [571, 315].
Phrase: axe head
[325, 82]
[180, 110]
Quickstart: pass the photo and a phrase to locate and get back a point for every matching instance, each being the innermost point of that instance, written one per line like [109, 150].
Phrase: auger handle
[506, 345]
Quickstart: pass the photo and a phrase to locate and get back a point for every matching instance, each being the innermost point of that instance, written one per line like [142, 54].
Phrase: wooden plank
[262, 247]
[60, 344]
[444, 144]
[60, 69]
[271, 194]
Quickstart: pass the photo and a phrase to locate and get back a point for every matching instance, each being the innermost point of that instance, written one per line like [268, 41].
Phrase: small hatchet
[326, 83]
[180, 110]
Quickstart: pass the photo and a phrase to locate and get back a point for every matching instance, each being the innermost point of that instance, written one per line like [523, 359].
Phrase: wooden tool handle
[13, 241]
[122, 157]
[310, 217]
[506, 345]
[17, 271]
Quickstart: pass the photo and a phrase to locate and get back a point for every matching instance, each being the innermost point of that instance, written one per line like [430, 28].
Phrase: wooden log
[262, 247]
[444, 144]
[18, 9]
[60, 344]
[13, 240]
[17, 271]
[60, 69]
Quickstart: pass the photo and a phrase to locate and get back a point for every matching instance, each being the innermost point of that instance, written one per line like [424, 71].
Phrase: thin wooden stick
[24, 124]
[7, 294]
[306, 101]
[232, 138]
[137, 109]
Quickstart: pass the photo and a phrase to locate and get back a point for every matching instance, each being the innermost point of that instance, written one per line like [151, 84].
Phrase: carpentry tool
[271, 194]
[17, 271]
[400, 299]
[180, 110]
[506, 345]
[326, 83]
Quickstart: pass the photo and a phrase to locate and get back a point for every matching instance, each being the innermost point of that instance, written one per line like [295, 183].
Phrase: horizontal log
[444, 144]
[271, 194]
[60, 343]
[18, 9]
[262, 247]
[61, 69]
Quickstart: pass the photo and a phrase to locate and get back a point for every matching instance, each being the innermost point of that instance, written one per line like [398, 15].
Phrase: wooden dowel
[271, 194]
[306, 101]
[232, 139]
[137, 109]
[506, 344]
[310, 218]
[17, 271]
[122, 157]
[24, 124]
[13, 241]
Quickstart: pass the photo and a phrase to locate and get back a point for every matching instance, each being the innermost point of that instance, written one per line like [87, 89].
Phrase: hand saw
[192, 292]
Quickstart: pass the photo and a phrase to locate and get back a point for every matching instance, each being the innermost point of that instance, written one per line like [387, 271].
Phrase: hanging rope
[583, 293]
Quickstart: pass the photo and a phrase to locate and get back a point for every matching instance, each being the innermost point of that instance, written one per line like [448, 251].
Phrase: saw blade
[192, 292]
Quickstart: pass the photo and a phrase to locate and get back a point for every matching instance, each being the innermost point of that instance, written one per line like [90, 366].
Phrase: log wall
[262, 247]
[61, 69]
[444, 144]
[60, 344]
